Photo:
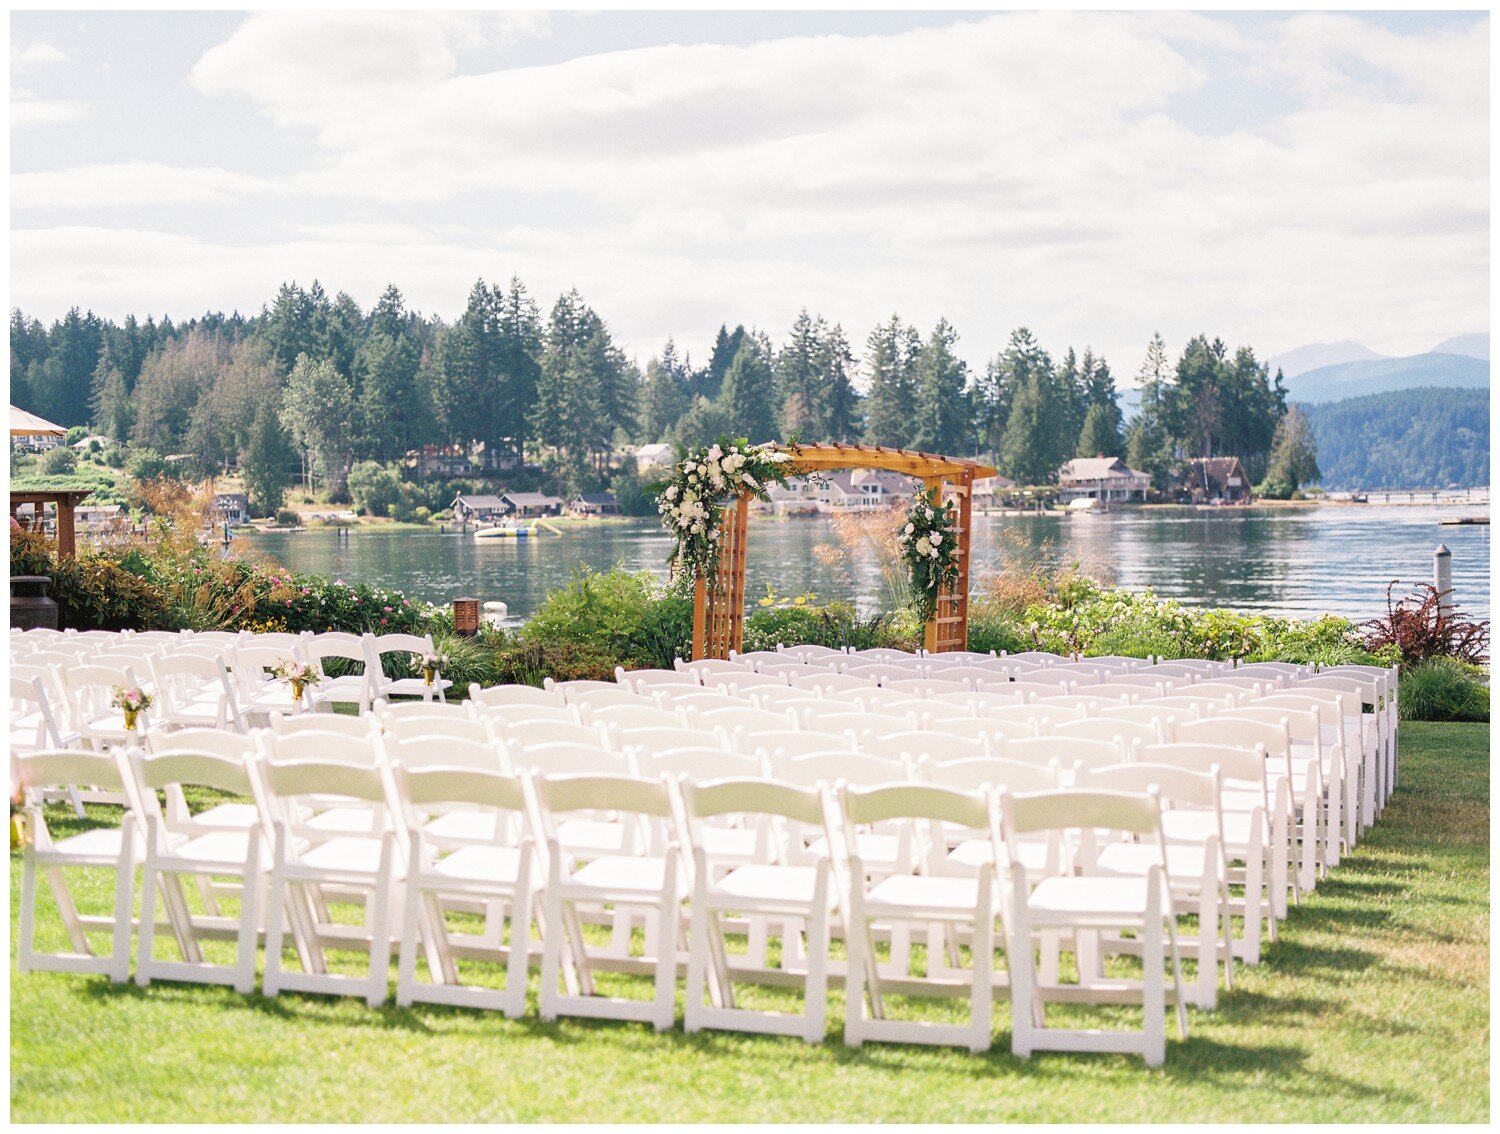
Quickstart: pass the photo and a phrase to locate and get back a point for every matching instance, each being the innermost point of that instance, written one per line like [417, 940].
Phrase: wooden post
[700, 618]
[65, 535]
[1442, 577]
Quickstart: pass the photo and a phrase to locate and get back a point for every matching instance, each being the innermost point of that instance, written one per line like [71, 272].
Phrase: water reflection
[1279, 561]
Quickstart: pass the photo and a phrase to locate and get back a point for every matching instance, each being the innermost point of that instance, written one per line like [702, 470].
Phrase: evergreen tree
[343, 330]
[1294, 456]
[292, 326]
[665, 394]
[111, 406]
[749, 396]
[390, 409]
[797, 379]
[890, 405]
[1148, 441]
[840, 401]
[266, 462]
[942, 410]
[517, 358]
[726, 345]
[318, 412]
[1025, 453]
[174, 378]
[1099, 437]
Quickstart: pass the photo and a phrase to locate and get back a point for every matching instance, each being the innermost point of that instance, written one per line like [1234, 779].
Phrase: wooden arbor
[719, 602]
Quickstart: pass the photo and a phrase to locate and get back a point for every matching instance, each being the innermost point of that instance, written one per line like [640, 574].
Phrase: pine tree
[390, 411]
[113, 413]
[1025, 455]
[840, 400]
[1099, 437]
[797, 379]
[942, 409]
[890, 405]
[750, 391]
[1294, 456]
[726, 345]
[1149, 445]
[266, 462]
[665, 395]
[518, 359]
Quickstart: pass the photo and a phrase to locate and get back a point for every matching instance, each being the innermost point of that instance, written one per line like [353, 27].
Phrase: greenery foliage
[1444, 689]
[1404, 439]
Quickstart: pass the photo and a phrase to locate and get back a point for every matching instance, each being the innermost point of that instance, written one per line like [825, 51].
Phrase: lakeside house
[523, 505]
[990, 491]
[231, 507]
[659, 455]
[476, 509]
[847, 490]
[594, 504]
[1208, 480]
[444, 462]
[1106, 479]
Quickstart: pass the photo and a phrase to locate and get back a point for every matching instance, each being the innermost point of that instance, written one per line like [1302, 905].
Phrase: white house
[660, 455]
[467, 509]
[864, 490]
[1103, 478]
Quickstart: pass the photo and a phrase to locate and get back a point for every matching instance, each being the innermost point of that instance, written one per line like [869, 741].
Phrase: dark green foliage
[1404, 439]
[749, 392]
[1444, 689]
[891, 355]
[943, 412]
[59, 461]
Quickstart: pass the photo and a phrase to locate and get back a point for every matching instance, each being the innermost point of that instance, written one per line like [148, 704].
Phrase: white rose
[910, 528]
[689, 496]
[683, 521]
[672, 492]
[750, 480]
[923, 546]
[688, 466]
[937, 538]
[697, 529]
[935, 553]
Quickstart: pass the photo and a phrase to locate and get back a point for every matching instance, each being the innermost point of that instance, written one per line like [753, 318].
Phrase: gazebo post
[65, 535]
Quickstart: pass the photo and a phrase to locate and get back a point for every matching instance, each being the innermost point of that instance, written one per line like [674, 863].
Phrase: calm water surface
[1278, 561]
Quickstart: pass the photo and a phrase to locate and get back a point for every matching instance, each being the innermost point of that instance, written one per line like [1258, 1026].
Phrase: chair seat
[414, 687]
[1184, 863]
[1072, 901]
[479, 864]
[587, 836]
[228, 848]
[728, 842]
[620, 875]
[878, 851]
[237, 816]
[472, 826]
[1181, 825]
[768, 885]
[342, 856]
[99, 847]
[344, 820]
[976, 852]
[920, 893]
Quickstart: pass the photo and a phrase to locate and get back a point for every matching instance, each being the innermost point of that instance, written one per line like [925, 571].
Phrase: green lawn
[1373, 1006]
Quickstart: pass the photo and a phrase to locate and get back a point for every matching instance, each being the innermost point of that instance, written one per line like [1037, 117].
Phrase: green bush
[287, 518]
[617, 614]
[1444, 690]
[59, 462]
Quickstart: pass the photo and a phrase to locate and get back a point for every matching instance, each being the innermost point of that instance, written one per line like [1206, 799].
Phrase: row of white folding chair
[373, 867]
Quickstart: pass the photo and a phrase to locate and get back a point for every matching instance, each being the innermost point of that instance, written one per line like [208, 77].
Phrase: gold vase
[297, 691]
[427, 676]
[130, 718]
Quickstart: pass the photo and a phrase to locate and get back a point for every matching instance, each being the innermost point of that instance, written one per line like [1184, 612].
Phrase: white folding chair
[797, 901]
[1084, 904]
[105, 848]
[380, 685]
[939, 897]
[506, 696]
[304, 868]
[204, 853]
[643, 682]
[651, 883]
[346, 652]
[483, 867]
[194, 692]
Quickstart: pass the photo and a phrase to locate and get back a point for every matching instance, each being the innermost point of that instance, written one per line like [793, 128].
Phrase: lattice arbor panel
[719, 602]
[948, 628]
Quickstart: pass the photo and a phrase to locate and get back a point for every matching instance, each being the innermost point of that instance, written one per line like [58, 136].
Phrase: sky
[1270, 179]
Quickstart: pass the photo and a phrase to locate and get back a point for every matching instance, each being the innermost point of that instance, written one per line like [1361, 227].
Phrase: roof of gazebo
[23, 424]
[812, 457]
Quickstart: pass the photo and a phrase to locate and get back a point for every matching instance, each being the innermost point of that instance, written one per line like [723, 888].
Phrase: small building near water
[525, 504]
[474, 509]
[1208, 480]
[594, 504]
[231, 507]
[1107, 479]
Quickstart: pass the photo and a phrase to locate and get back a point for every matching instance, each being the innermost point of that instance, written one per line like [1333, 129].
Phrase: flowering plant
[691, 499]
[929, 544]
[422, 662]
[298, 673]
[130, 700]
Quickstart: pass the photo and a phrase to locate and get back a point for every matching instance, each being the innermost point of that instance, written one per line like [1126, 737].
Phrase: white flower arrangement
[691, 500]
[929, 544]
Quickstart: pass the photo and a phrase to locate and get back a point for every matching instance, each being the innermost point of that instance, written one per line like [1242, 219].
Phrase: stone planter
[30, 608]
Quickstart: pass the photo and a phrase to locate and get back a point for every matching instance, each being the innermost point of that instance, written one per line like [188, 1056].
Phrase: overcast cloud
[1273, 180]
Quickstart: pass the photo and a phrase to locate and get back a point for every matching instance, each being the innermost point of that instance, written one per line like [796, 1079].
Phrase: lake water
[1279, 561]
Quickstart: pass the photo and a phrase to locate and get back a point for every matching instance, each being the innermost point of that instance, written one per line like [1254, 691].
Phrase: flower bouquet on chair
[429, 665]
[299, 675]
[131, 702]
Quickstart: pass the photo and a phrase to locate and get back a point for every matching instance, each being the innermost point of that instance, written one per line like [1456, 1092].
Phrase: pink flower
[382, 621]
[338, 582]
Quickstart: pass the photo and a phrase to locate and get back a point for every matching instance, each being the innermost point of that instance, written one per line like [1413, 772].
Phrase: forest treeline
[312, 384]
[1423, 438]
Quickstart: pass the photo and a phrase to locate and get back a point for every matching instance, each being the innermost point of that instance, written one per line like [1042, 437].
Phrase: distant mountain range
[1383, 375]
[1317, 356]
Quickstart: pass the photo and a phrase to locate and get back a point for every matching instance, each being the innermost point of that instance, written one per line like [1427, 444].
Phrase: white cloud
[28, 110]
[1024, 168]
[129, 184]
[34, 54]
